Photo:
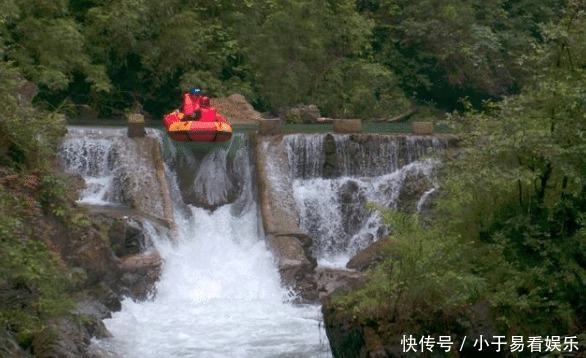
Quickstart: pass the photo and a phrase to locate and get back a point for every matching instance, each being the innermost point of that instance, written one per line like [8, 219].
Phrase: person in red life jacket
[208, 114]
[192, 104]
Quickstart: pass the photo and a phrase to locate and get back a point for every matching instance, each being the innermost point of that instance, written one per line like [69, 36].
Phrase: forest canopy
[352, 58]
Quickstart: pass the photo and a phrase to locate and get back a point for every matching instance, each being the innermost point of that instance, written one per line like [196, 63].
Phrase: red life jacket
[190, 103]
[208, 114]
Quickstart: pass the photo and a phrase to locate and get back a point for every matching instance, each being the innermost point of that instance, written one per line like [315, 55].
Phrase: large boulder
[330, 280]
[369, 256]
[236, 109]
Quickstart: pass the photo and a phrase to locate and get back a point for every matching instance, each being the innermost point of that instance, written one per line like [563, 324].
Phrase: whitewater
[219, 294]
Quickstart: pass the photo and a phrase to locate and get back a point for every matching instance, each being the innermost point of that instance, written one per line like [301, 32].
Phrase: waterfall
[91, 154]
[335, 176]
[219, 294]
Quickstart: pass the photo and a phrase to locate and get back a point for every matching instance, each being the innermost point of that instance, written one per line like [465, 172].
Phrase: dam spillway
[220, 292]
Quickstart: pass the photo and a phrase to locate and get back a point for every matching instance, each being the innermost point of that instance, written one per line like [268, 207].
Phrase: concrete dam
[251, 233]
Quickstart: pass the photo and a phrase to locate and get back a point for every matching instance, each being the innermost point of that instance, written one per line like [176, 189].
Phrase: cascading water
[91, 153]
[219, 294]
[335, 176]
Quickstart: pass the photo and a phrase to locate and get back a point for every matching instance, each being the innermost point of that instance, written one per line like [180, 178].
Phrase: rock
[105, 295]
[142, 192]
[296, 263]
[277, 202]
[92, 307]
[345, 334]
[197, 176]
[330, 280]
[330, 167]
[97, 259]
[353, 207]
[61, 338]
[236, 109]
[416, 183]
[127, 238]
[91, 313]
[369, 256]
[141, 272]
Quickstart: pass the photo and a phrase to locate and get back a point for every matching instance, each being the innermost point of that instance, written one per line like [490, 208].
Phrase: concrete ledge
[422, 128]
[136, 126]
[270, 126]
[347, 125]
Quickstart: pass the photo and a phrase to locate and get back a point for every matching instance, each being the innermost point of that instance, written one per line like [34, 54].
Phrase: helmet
[195, 90]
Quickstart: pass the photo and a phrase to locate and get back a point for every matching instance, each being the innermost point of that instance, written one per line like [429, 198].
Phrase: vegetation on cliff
[504, 253]
[37, 288]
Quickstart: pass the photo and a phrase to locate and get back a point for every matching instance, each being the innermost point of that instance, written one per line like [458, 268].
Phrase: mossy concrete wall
[290, 246]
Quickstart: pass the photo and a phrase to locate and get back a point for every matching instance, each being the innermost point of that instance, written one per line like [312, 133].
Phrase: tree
[442, 51]
[303, 50]
[37, 37]
[518, 189]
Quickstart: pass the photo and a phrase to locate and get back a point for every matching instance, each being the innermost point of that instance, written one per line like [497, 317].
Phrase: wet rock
[141, 272]
[90, 313]
[92, 307]
[330, 168]
[296, 263]
[106, 296]
[415, 184]
[198, 177]
[270, 126]
[127, 238]
[353, 207]
[136, 177]
[330, 280]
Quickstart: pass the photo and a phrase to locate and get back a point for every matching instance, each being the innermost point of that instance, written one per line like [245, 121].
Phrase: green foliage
[370, 91]
[352, 58]
[39, 36]
[425, 279]
[518, 188]
[302, 46]
[508, 229]
[33, 284]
